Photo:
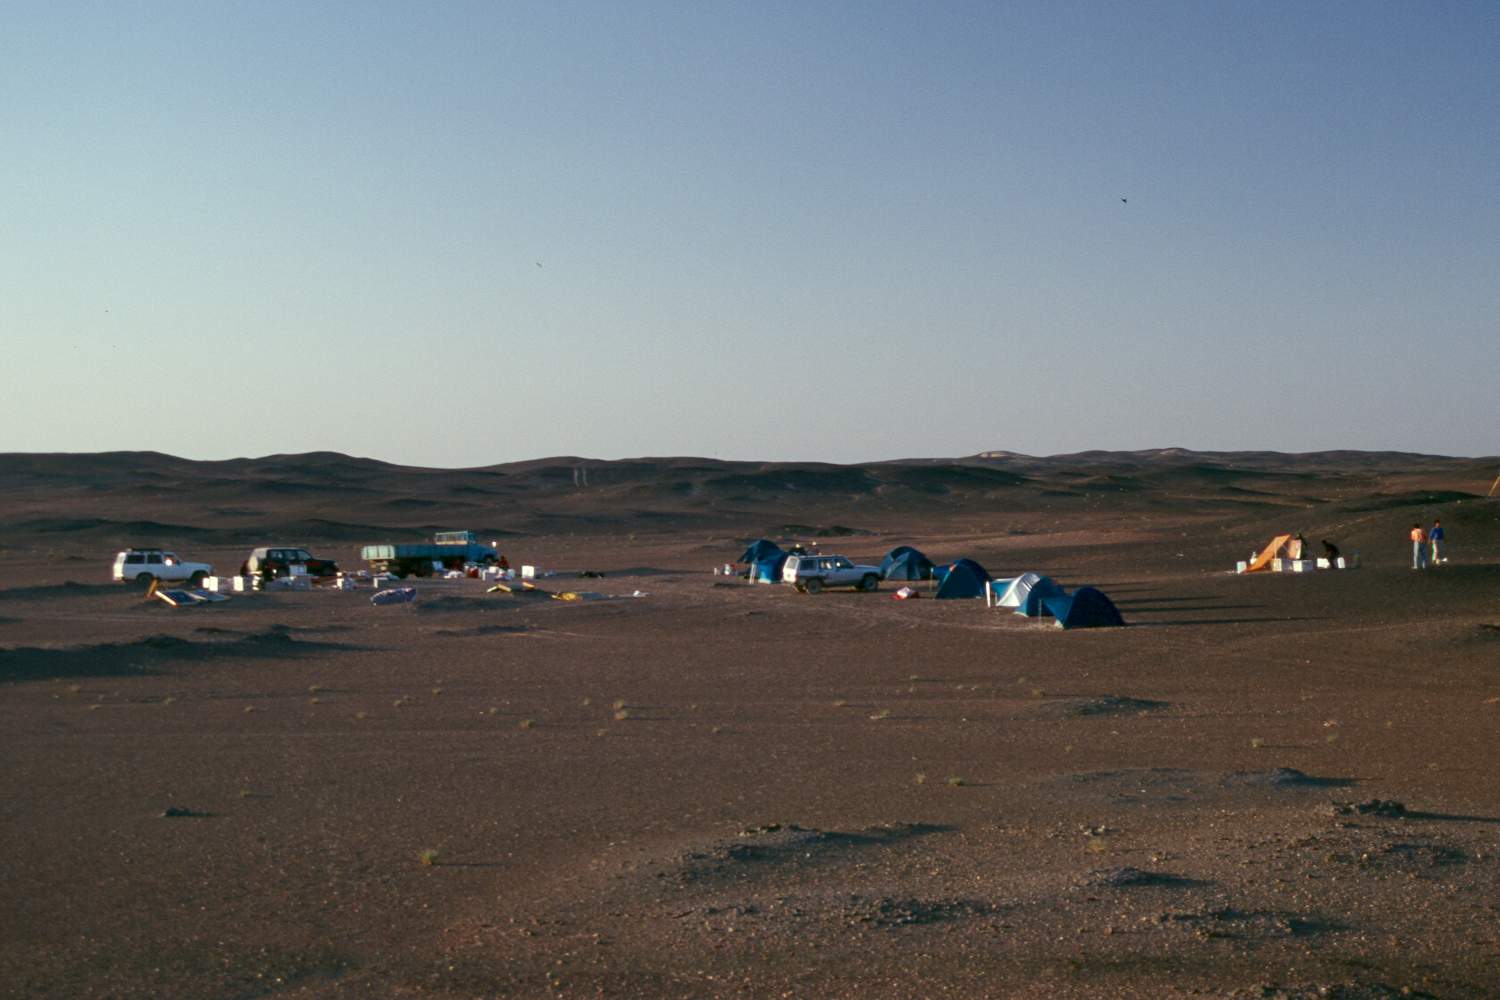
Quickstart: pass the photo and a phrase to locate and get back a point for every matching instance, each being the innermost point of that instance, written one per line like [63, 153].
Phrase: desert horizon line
[989, 454]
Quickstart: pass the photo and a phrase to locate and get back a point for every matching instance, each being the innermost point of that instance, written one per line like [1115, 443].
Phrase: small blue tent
[765, 558]
[767, 570]
[760, 549]
[905, 563]
[1084, 608]
[1032, 596]
[965, 578]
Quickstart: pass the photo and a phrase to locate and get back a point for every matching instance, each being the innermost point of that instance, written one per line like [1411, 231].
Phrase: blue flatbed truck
[448, 549]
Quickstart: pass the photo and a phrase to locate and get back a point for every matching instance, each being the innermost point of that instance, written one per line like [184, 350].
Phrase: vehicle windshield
[300, 555]
[842, 563]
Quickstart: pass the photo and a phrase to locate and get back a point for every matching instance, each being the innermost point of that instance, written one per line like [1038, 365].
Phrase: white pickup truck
[144, 565]
[810, 574]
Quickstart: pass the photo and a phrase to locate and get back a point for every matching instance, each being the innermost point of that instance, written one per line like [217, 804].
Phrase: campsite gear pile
[1286, 554]
[395, 595]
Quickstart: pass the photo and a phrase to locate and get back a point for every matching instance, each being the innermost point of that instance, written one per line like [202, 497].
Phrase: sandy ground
[719, 789]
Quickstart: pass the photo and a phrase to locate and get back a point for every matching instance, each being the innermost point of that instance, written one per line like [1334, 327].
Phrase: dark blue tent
[965, 578]
[1034, 594]
[905, 563]
[759, 550]
[1086, 607]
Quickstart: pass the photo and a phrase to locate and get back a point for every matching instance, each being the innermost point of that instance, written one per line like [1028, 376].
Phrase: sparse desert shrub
[1256, 743]
[528, 723]
[920, 779]
[840, 703]
[618, 704]
[954, 781]
[429, 857]
[622, 714]
[884, 713]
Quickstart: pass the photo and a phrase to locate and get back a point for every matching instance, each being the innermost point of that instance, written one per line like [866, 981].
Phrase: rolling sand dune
[1269, 786]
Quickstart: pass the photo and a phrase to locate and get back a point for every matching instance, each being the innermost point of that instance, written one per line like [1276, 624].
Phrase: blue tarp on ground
[905, 563]
[1086, 607]
[965, 578]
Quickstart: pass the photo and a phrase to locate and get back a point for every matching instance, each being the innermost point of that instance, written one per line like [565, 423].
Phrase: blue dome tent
[965, 578]
[905, 563]
[1086, 607]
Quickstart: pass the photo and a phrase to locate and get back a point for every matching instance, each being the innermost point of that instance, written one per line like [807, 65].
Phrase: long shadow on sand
[1449, 817]
[1229, 621]
[1186, 608]
[68, 589]
[151, 655]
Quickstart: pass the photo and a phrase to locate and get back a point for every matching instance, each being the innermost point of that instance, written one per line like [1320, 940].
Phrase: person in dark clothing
[1330, 550]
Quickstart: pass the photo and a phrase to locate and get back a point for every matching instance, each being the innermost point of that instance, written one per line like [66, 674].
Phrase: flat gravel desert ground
[1277, 785]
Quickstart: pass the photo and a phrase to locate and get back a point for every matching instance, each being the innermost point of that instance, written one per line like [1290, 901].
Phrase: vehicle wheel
[814, 586]
[144, 579]
[869, 583]
[197, 578]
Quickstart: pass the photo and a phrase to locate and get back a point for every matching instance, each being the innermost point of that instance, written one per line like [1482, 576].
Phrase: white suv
[810, 574]
[145, 565]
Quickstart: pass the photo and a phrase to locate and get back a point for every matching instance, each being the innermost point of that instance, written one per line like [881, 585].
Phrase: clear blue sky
[780, 231]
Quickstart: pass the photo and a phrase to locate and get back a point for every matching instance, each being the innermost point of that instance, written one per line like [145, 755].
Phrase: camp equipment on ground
[396, 595]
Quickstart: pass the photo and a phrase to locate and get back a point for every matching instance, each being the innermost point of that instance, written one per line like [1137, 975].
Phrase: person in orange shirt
[1418, 547]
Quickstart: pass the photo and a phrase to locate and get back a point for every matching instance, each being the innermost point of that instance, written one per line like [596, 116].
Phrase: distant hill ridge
[332, 463]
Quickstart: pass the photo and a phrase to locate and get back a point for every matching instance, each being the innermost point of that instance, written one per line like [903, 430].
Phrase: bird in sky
[1124, 201]
[538, 263]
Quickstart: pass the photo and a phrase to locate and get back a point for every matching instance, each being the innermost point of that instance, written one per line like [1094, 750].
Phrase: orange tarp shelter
[1263, 560]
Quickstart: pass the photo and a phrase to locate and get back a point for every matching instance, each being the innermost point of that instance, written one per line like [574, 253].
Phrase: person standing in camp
[1418, 547]
[1435, 536]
